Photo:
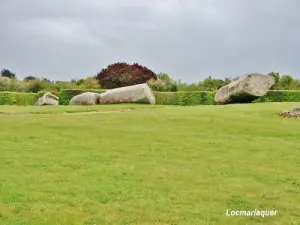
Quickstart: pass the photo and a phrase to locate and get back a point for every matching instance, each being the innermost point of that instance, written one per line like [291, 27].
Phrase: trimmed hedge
[280, 96]
[185, 98]
[207, 98]
[195, 98]
[65, 95]
[18, 98]
[165, 98]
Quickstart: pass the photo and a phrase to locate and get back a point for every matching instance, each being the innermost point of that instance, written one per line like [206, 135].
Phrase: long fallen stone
[140, 93]
[87, 98]
[245, 89]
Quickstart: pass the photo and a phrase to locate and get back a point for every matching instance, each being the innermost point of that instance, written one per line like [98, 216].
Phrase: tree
[285, 82]
[168, 84]
[88, 83]
[277, 79]
[211, 84]
[227, 80]
[46, 80]
[164, 77]
[164, 83]
[65, 85]
[35, 86]
[29, 78]
[123, 74]
[7, 73]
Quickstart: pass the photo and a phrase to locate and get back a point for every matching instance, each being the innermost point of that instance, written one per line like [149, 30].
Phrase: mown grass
[8, 110]
[167, 165]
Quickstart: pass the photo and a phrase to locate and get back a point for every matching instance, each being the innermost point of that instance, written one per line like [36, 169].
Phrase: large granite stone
[296, 109]
[245, 89]
[87, 98]
[140, 93]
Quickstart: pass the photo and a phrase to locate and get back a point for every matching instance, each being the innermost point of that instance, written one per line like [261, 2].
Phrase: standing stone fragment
[87, 98]
[47, 99]
[245, 89]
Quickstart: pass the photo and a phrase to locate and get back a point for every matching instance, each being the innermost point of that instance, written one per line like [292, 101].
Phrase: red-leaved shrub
[123, 74]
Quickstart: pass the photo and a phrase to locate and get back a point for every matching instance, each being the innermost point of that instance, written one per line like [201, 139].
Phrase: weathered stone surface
[47, 99]
[140, 93]
[87, 98]
[245, 89]
[296, 109]
[290, 114]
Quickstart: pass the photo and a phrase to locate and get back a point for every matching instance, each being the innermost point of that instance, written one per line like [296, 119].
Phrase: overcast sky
[189, 39]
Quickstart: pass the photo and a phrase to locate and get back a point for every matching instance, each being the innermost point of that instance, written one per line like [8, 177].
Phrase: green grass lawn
[150, 165]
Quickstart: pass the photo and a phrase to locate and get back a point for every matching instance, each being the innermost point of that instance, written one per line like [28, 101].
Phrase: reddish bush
[122, 75]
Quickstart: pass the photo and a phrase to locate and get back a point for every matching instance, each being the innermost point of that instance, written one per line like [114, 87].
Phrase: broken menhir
[245, 89]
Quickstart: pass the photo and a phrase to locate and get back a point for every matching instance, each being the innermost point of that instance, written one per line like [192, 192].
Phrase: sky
[188, 39]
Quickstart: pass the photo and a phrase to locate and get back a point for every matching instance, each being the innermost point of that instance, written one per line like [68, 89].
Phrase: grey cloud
[189, 39]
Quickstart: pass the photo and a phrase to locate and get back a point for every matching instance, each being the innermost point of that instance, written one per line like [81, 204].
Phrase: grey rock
[245, 89]
[47, 99]
[296, 109]
[140, 93]
[87, 98]
[290, 114]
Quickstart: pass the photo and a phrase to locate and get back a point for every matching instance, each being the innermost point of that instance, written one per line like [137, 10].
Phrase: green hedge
[65, 95]
[207, 98]
[280, 96]
[165, 98]
[184, 98]
[195, 98]
[18, 98]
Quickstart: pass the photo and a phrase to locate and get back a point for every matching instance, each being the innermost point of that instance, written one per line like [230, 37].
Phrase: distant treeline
[282, 82]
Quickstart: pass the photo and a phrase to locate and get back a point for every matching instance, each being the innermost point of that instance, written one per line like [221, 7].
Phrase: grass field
[148, 165]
